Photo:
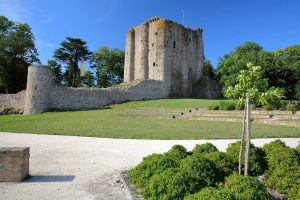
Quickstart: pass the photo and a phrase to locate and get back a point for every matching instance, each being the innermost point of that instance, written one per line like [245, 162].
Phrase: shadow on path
[50, 178]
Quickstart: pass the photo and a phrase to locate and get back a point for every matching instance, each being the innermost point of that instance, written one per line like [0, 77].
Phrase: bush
[152, 164]
[291, 107]
[281, 157]
[257, 162]
[171, 184]
[268, 107]
[227, 105]
[298, 149]
[222, 163]
[273, 145]
[285, 181]
[246, 187]
[210, 193]
[240, 105]
[203, 170]
[177, 152]
[214, 107]
[204, 148]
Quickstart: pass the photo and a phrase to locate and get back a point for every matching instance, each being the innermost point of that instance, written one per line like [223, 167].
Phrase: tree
[208, 69]
[17, 52]
[56, 71]
[72, 51]
[109, 66]
[252, 88]
[88, 80]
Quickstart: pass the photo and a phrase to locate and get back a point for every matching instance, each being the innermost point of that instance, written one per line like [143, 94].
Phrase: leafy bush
[281, 157]
[240, 105]
[227, 105]
[222, 163]
[246, 187]
[171, 184]
[291, 107]
[273, 145]
[257, 162]
[177, 152]
[152, 164]
[214, 107]
[204, 148]
[285, 181]
[268, 107]
[211, 193]
[203, 170]
[298, 149]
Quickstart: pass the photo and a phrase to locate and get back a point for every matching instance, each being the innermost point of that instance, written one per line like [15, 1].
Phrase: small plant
[268, 107]
[152, 164]
[204, 148]
[227, 105]
[246, 187]
[291, 107]
[214, 107]
[239, 105]
[177, 152]
[211, 193]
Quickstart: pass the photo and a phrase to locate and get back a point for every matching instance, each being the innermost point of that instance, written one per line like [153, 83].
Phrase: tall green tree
[208, 69]
[17, 52]
[252, 88]
[56, 70]
[71, 52]
[109, 66]
[88, 80]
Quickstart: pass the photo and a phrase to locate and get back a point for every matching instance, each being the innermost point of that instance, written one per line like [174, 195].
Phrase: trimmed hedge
[257, 162]
[201, 149]
[210, 193]
[152, 164]
[246, 187]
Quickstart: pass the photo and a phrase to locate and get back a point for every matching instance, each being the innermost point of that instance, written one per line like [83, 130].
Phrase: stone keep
[163, 50]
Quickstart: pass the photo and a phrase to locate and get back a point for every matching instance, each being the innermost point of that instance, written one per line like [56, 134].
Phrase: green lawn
[108, 123]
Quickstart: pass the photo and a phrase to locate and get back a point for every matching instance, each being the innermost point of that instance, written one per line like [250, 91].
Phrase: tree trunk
[242, 141]
[247, 152]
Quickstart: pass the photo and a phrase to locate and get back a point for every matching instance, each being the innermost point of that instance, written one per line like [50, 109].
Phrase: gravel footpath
[69, 167]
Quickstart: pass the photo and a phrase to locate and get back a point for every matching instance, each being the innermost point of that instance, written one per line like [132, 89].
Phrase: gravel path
[68, 167]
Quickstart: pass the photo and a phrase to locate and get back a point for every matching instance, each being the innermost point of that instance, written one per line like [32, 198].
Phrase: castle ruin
[162, 59]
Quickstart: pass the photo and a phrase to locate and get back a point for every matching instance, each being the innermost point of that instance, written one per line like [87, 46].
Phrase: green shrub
[291, 107]
[203, 170]
[246, 188]
[204, 148]
[152, 164]
[210, 193]
[282, 157]
[273, 145]
[282, 107]
[171, 184]
[227, 105]
[285, 180]
[240, 105]
[298, 149]
[222, 163]
[268, 107]
[257, 162]
[177, 152]
[213, 107]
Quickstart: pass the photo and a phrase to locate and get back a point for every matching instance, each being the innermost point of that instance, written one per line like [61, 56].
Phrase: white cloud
[14, 10]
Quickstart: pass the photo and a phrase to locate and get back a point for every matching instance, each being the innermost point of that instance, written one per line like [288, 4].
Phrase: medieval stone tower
[163, 50]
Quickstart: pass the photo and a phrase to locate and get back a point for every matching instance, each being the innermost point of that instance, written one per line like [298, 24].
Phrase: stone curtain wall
[207, 88]
[13, 100]
[43, 94]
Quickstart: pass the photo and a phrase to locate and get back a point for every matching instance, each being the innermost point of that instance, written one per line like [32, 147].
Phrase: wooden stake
[247, 152]
[242, 141]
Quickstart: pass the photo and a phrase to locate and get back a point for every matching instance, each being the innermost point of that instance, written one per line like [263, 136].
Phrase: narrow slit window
[153, 64]
[174, 44]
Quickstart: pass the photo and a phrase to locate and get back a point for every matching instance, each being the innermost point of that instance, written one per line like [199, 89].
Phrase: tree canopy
[17, 52]
[109, 66]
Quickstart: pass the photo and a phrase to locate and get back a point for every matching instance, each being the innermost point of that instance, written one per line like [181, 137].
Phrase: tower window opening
[153, 64]
[174, 44]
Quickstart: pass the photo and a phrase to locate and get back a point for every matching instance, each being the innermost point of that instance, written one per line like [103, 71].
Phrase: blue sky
[272, 23]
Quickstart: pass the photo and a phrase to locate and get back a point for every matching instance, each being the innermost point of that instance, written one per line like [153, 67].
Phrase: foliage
[281, 68]
[56, 71]
[109, 65]
[17, 52]
[251, 83]
[246, 187]
[152, 164]
[200, 149]
[227, 105]
[214, 106]
[291, 107]
[72, 51]
[298, 149]
[223, 164]
[177, 152]
[201, 169]
[285, 180]
[269, 147]
[88, 80]
[257, 163]
[171, 184]
[211, 193]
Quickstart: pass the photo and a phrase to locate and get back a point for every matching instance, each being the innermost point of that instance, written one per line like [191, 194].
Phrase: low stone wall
[13, 100]
[14, 163]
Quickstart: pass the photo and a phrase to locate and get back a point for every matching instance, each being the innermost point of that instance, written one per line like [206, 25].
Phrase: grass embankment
[108, 123]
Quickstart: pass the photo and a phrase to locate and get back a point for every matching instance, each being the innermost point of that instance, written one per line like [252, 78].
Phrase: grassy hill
[116, 122]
